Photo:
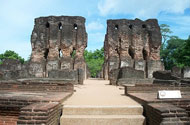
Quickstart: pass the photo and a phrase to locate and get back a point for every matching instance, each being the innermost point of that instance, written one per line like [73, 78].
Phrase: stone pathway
[98, 103]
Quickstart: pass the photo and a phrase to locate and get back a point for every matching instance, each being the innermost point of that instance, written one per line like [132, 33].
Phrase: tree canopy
[9, 54]
[174, 51]
[94, 61]
[182, 54]
[165, 31]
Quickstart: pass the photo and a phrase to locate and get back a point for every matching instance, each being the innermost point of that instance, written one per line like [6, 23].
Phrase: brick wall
[154, 88]
[8, 119]
[50, 86]
[41, 113]
[162, 111]
[165, 114]
[33, 101]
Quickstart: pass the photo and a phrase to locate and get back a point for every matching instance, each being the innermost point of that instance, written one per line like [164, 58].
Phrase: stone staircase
[98, 103]
[102, 115]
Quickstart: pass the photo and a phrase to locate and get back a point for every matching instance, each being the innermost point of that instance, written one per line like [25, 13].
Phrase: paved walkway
[99, 93]
[98, 103]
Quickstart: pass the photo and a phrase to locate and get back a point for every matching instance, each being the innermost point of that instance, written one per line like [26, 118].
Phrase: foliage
[182, 54]
[165, 31]
[94, 61]
[73, 54]
[10, 55]
[174, 51]
[168, 53]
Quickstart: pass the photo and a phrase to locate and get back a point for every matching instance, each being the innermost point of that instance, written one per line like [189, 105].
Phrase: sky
[17, 18]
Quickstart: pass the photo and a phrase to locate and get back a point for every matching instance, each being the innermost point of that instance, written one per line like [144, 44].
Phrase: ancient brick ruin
[33, 93]
[58, 43]
[132, 59]
[162, 111]
[33, 101]
[132, 43]
[56, 63]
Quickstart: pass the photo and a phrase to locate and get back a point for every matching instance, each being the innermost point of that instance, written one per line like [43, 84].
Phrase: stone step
[102, 110]
[102, 120]
[175, 123]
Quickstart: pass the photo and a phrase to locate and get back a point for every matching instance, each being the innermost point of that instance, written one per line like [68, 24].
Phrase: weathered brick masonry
[33, 101]
[165, 111]
[132, 43]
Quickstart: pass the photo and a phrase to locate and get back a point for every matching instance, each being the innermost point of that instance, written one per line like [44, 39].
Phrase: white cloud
[95, 25]
[180, 24]
[142, 8]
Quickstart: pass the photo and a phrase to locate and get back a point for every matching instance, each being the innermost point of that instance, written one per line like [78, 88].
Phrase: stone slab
[126, 81]
[102, 120]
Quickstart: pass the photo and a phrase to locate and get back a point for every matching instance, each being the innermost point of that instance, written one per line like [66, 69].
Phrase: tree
[168, 53]
[10, 55]
[94, 61]
[174, 51]
[165, 31]
[182, 54]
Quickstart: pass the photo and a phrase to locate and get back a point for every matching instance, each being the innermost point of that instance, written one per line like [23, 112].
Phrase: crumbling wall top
[65, 19]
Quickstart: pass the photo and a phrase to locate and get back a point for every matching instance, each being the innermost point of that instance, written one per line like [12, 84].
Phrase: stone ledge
[149, 88]
[32, 107]
[164, 111]
[47, 85]
[34, 114]
[126, 81]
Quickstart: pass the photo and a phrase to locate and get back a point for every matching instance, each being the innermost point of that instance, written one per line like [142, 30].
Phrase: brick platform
[8, 120]
[32, 101]
[33, 84]
[152, 88]
[41, 113]
[162, 111]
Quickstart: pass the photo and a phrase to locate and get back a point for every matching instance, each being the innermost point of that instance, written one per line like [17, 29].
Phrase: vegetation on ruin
[9, 54]
[94, 61]
[174, 51]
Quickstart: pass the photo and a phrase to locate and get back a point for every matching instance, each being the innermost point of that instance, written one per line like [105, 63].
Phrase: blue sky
[17, 18]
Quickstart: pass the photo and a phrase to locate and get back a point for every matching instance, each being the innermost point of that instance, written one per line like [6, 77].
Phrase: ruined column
[58, 43]
[133, 43]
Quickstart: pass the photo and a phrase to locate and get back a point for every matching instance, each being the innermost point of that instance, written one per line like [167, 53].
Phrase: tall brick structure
[132, 43]
[58, 44]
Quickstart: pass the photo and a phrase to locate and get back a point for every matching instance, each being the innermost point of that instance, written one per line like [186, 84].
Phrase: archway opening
[75, 26]
[144, 52]
[73, 53]
[46, 53]
[60, 53]
[130, 26]
[60, 26]
[131, 53]
[47, 25]
[116, 27]
[143, 26]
